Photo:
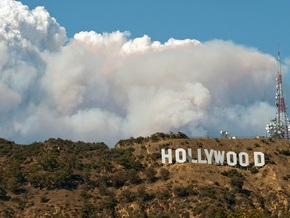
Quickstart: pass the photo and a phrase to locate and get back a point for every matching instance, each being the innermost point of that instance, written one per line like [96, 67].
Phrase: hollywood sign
[230, 158]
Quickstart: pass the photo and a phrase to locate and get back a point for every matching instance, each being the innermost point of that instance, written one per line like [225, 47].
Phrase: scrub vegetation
[62, 178]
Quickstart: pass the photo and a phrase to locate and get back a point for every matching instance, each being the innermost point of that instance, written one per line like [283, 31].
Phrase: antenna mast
[278, 128]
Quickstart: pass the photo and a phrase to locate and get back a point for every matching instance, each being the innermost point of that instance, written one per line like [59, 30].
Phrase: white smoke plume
[104, 87]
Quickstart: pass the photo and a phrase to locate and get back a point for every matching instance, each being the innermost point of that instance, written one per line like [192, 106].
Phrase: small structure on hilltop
[225, 134]
[279, 126]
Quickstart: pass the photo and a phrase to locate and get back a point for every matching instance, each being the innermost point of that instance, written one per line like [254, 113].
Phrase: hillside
[62, 178]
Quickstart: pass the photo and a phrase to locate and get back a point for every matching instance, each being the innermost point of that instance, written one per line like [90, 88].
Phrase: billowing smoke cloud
[104, 87]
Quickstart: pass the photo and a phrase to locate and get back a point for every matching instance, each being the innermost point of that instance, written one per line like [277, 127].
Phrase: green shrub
[237, 179]
[285, 152]
[127, 196]
[142, 194]
[110, 204]
[14, 177]
[215, 212]
[119, 179]
[181, 191]
[125, 158]
[230, 198]
[88, 211]
[3, 193]
[207, 192]
[61, 178]
[43, 199]
[241, 213]
[182, 135]
[237, 183]
[164, 174]
[150, 174]
[155, 156]
[254, 170]
[85, 195]
[231, 173]
[163, 194]
[265, 141]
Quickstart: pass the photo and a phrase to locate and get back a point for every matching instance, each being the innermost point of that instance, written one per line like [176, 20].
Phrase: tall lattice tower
[278, 128]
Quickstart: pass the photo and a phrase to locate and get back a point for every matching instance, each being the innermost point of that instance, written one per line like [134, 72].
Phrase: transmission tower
[278, 128]
[225, 134]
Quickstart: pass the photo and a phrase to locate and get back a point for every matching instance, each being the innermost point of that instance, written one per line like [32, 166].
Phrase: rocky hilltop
[62, 178]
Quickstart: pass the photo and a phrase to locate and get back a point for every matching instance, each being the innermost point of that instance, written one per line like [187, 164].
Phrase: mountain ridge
[62, 178]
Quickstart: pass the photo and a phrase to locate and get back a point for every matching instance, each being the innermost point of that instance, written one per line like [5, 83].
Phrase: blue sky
[262, 24]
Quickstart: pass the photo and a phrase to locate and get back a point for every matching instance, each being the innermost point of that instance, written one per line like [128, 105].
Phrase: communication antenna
[278, 127]
[225, 134]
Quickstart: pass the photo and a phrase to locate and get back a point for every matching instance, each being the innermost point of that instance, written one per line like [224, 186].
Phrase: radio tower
[278, 128]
